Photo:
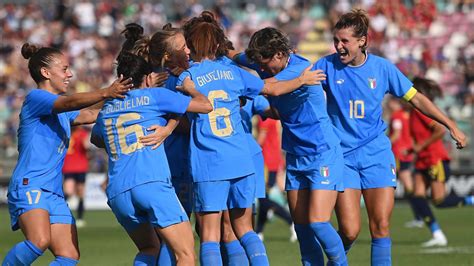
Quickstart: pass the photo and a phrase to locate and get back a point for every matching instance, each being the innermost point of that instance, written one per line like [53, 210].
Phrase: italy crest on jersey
[324, 171]
[372, 83]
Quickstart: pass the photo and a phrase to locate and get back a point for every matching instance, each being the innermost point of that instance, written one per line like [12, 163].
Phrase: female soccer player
[218, 141]
[76, 166]
[314, 155]
[402, 143]
[35, 195]
[356, 84]
[431, 165]
[139, 191]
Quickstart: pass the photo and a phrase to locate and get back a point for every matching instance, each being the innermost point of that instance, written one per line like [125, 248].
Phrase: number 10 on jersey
[356, 109]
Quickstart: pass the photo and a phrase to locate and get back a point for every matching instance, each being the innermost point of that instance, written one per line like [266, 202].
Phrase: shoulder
[379, 61]
[324, 61]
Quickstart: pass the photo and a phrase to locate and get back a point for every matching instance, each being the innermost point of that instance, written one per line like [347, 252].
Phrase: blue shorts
[259, 175]
[371, 166]
[213, 196]
[155, 203]
[29, 198]
[184, 189]
[322, 171]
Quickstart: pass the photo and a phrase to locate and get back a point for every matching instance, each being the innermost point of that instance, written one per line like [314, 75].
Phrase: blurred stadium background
[431, 38]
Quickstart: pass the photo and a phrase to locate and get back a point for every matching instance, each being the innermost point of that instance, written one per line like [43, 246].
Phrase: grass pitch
[104, 242]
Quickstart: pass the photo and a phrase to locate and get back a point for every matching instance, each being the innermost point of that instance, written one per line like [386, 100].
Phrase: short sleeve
[170, 102]
[260, 105]
[252, 85]
[182, 77]
[72, 115]
[39, 103]
[292, 71]
[399, 85]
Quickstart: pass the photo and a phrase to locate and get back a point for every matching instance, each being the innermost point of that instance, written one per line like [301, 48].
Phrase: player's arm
[437, 133]
[274, 87]
[262, 135]
[160, 134]
[422, 103]
[199, 103]
[97, 141]
[78, 101]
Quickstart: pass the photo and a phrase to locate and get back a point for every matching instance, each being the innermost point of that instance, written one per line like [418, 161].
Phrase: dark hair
[133, 66]
[358, 20]
[266, 42]
[38, 58]
[160, 44]
[132, 33]
[205, 37]
[427, 87]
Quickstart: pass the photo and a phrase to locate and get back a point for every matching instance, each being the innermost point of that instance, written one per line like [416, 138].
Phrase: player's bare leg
[348, 215]
[36, 227]
[180, 239]
[146, 239]
[379, 203]
[64, 241]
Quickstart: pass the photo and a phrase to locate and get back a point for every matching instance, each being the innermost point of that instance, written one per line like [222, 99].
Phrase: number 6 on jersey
[224, 112]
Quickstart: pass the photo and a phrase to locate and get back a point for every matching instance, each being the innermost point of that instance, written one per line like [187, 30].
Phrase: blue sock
[381, 252]
[331, 243]
[23, 253]
[63, 261]
[310, 249]
[469, 200]
[434, 226]
[254, 248]
[142, 259]
[166, 257]
[210, 254]
[236, 254]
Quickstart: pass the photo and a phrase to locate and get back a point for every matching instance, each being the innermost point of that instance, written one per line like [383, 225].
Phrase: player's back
[218, 139]
[122, 122]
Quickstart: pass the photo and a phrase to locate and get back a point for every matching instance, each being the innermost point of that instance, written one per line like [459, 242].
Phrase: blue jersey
[307, 129]
[121, 122]
[43, 140]
[253, 107]
[177, 144]
[355, 96]
[218, 139]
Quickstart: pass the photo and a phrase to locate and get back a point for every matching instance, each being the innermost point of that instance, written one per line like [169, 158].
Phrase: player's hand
[188, 85]
[177, 70]
[156, 138]
[159, 79]
[312, 77]
[458, 136]
[119, 87]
